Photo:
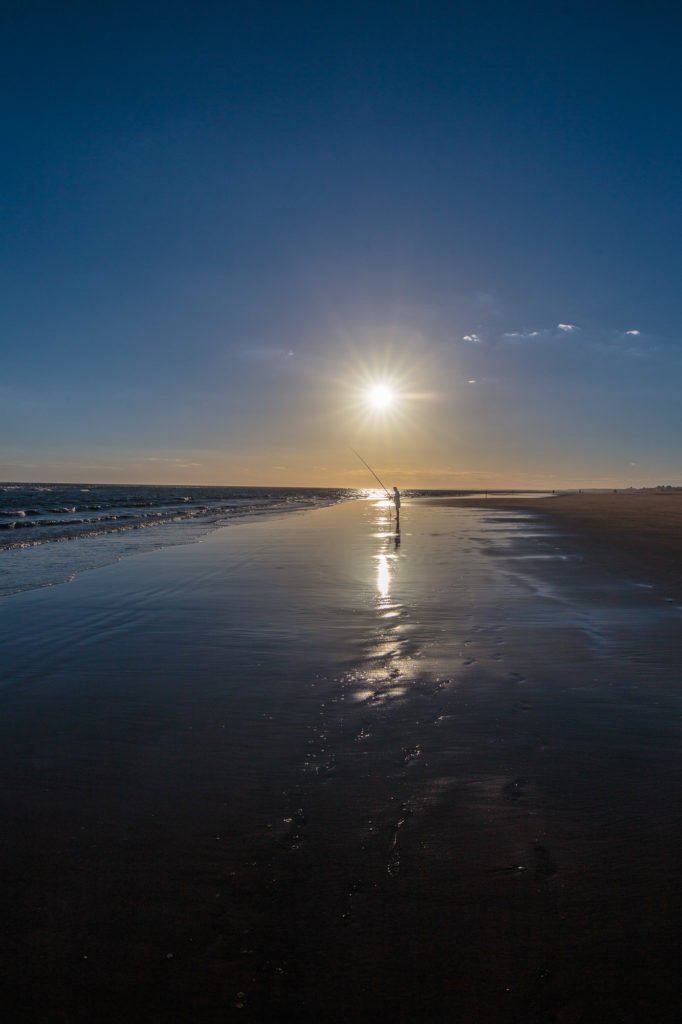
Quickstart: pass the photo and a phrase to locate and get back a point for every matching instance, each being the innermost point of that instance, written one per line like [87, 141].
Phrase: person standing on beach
[396, 501]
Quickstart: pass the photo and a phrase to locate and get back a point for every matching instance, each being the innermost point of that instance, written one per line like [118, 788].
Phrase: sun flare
[381, 396]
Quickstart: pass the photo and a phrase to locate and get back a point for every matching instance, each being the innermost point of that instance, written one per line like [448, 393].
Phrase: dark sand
[301, 772]
[639, 530]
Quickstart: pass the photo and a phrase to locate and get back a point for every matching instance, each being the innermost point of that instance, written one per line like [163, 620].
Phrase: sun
[380, 397]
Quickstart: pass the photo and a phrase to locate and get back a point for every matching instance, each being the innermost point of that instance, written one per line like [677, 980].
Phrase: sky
[222, 223]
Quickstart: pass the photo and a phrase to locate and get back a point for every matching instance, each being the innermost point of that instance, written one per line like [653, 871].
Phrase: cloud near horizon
[182, 463]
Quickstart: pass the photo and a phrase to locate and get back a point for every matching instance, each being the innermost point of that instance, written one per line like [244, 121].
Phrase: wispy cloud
[167, 461]
[635, 333]
[471, 337]
[567, 327]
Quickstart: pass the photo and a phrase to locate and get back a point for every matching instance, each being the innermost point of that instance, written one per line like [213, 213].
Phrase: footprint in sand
[543, 865]
[411, 753]
[393, 864]
[294, 836]
[521, 705]
[327, 767]
[515, 790]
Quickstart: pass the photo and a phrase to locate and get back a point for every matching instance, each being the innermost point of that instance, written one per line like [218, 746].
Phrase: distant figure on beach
[396, 501]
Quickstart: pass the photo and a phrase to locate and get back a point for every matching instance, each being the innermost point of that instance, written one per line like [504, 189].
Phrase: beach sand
[308, 770]
[638, 530]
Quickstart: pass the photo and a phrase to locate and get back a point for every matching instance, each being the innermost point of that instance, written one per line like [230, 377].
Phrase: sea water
[51, 532]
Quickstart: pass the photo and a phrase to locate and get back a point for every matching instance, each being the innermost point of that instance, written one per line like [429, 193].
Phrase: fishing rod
[388, 493]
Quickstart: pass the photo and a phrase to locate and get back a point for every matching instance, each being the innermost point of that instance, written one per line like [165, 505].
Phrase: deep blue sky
[219, 220]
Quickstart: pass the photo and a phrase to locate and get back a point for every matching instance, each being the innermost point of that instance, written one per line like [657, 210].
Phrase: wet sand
[639, 530]
[304, 770]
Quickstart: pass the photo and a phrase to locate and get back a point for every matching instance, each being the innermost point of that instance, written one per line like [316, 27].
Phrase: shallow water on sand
[318, 768]
[51, 533]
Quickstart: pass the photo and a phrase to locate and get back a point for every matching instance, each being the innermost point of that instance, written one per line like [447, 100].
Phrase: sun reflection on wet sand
[388, 650]
[383, 576]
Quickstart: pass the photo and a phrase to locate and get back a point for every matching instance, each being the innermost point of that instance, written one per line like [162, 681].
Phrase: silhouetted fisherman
[396, 502]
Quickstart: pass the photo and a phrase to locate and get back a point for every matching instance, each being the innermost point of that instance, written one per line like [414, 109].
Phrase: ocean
[103, 523]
